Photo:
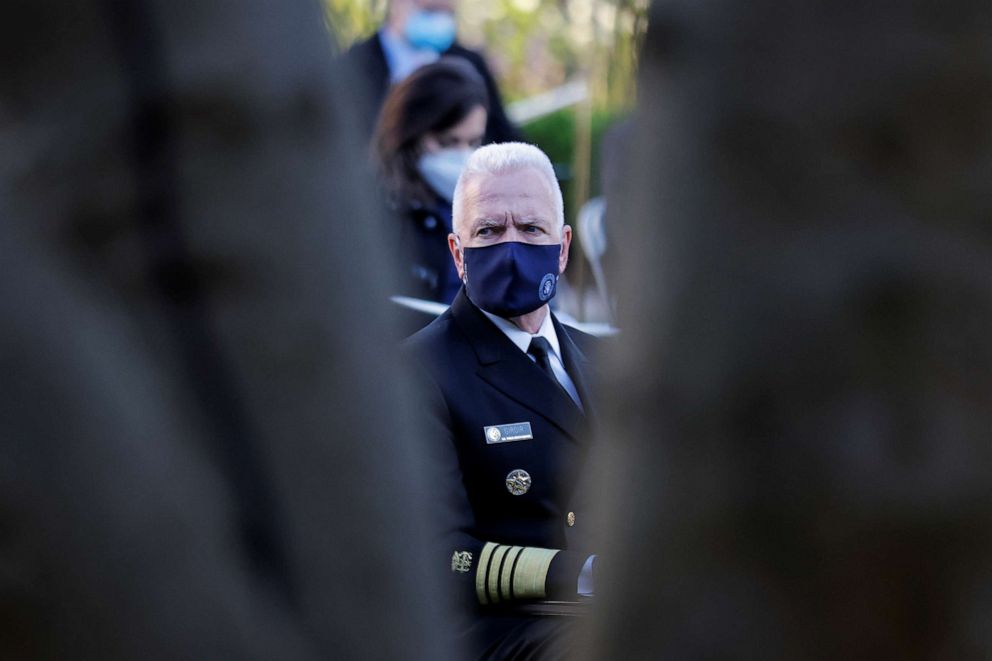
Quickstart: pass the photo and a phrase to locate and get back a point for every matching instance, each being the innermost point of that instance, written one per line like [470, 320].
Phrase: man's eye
[532, 229]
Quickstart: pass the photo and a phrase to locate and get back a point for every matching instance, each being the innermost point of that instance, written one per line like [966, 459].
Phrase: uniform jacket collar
[509, 370]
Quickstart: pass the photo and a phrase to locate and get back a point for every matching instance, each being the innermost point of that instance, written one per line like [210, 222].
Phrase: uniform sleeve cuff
[585, 584]
[563, 575]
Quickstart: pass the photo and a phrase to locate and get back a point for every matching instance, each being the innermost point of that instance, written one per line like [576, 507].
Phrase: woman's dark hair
[433, 98]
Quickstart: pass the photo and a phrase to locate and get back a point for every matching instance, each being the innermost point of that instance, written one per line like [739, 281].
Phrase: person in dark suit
[429, 126]
[417, 32]
[510, 411]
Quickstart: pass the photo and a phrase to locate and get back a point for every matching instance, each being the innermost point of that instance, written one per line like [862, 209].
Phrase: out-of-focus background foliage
[535, 46]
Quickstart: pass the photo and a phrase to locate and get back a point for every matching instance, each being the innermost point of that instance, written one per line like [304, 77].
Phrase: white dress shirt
[522, 338]
[402, 58]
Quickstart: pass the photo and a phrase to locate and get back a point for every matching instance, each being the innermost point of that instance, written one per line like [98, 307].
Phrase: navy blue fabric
[471, 376]
[511, 278]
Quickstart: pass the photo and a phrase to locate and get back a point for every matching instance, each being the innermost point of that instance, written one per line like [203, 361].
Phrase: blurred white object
[592, 237]
[432, 308]
[545, 103]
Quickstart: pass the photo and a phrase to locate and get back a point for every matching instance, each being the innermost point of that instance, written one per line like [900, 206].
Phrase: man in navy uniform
[509, 416]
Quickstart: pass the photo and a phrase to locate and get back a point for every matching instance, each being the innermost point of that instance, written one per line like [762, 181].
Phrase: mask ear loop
[461, 251]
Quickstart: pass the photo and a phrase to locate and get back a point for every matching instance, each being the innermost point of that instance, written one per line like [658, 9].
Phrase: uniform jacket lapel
[509, 370]
[578, 366]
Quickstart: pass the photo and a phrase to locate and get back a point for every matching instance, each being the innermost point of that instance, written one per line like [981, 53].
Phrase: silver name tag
[517, 431]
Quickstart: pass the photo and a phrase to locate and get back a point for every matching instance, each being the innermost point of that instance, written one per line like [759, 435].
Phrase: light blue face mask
[434, 30]
[440, 169]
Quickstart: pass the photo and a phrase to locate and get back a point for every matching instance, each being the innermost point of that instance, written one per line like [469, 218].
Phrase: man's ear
[566, 241]
[454, 247]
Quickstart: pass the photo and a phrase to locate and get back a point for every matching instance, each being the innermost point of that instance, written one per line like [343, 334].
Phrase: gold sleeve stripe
[512, 572]
[506, 572]
[496, 567]
[531, 571]
[482, 571]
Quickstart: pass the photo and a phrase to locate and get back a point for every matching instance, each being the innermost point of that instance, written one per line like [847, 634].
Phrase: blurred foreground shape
[800, 433]
[203, 453]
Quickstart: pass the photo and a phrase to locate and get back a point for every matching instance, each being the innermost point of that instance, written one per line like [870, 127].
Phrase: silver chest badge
[518, 482]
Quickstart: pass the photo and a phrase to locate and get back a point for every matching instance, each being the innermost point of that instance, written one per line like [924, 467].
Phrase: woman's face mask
[440, 169]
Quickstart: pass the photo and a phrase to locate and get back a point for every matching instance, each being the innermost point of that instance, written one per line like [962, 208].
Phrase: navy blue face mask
[511, 278]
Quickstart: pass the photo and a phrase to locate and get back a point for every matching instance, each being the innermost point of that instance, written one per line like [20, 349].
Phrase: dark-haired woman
[429, 125]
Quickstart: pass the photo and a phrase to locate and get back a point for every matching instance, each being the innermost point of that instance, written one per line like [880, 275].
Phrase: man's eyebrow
[488, 221]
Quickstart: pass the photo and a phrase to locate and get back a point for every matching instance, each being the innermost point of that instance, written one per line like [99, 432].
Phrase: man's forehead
[519, 205]
[493, 196]
[521, 195]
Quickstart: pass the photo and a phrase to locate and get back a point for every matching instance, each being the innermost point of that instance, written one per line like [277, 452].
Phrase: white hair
[502, 158]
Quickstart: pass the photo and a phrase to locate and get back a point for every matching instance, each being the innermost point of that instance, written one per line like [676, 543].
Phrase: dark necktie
[541, 349]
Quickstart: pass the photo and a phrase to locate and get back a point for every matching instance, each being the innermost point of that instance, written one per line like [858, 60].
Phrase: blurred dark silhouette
[429, 126]
[203, 453]
[800, 453]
